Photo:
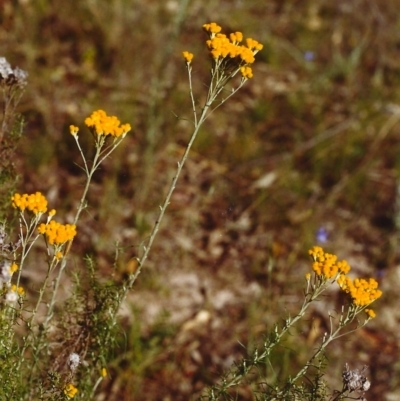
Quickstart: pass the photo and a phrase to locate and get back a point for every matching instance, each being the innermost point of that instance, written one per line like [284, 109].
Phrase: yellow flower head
[362, 292]
[370, 313]
[212, 28]
[327, 265]
[57, 233]
[102, 124]
[236, 37]
[35, 203]
[58, 255]
[73, 130]
[254, 45]
[70, 390]
[188, 57]
[13, 268]
[19, 290]
[223, 47]
[247, 72]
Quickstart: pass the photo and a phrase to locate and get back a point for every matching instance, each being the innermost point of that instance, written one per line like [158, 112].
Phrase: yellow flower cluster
[246, 71]
[35, 203]
[326, 264]
[224, 47]
[187, 56]
[57, 233]
[370, 313]
[19, 290]
[102, 124]
[227, 48]
[70, 390]
[212, 28]
[362, 291]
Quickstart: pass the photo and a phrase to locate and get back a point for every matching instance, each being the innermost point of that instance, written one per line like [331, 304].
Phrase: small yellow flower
[103, 372]
[370, 313]
[247, 72]
[212, 28]
[18, 290]
[236, 37]
[58, 255]
[253, 45]
[308, 276]
[70, 390]
[187, 56]
[13, 268]
[73, 130]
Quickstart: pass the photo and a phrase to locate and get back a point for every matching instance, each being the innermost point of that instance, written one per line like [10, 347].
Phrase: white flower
[9, 76]
[5, 273]
[11, 296]
[73, 361]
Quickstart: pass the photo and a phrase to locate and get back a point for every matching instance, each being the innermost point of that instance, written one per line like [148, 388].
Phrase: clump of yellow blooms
[326, 264]
[362, 291]
[19, 290]
[57, 233]
[35, 203]
[246, 71]
[229, 48]
[70, 390]
[102, 124]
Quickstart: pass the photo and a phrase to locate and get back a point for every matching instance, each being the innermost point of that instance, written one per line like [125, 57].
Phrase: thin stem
[191, 95]
[26, 240]
[212, 94]
[164, 206]
[82, 205]
[243, 368]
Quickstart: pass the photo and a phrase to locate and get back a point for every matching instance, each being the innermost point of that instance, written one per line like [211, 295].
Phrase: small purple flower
[321, 235]
[309, 55]
[380, 274]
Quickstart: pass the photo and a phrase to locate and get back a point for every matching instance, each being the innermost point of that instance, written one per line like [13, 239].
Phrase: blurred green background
[310, 143]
